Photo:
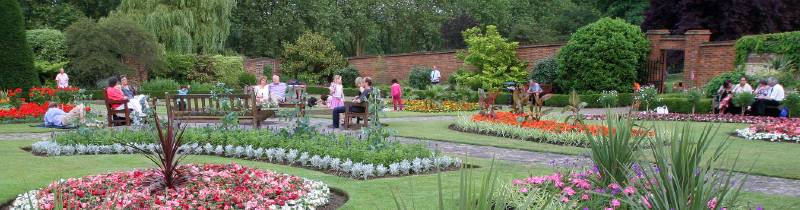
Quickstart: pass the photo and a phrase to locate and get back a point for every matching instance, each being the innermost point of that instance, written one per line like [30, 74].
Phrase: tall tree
[452, 28]
[183, 26]
[49, 14]
[312, 58]
[632, 11]
[16, 57]
[727, 19]
[94, 9]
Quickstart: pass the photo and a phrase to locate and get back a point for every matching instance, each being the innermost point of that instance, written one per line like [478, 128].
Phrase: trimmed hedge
[681, 105]
[16, 60]
[324, 90]
[561, 100]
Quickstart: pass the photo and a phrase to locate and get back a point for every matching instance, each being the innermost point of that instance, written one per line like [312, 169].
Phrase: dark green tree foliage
[631, 11]
[49, 51]
[349, 74]
[419, 78]
[544, 71]
[95, 9]
[96, 49]
[16, 57]
[49, 14]
[452, 28]
[727, 19]
[605, 55]
[312, 58]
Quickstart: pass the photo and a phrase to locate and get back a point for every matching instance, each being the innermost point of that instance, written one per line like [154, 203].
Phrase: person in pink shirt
[336, 94]
[114, 92]
[397, 95]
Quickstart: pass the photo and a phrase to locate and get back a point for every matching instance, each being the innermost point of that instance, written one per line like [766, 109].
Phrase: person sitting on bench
[55, 117]
[774, 98]
[363, 97]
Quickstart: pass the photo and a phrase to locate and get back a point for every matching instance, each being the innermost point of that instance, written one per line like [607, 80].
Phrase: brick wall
[255, 66]
[702, 59]
[717, 58]
[385, 68]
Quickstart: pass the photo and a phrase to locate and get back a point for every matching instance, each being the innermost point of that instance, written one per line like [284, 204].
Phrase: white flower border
[318, 195]
[357, 170]
[752, 134]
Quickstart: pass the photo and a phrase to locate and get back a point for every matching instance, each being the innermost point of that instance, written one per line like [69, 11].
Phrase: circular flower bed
[784, 131]
[447, 106]
[207, 186]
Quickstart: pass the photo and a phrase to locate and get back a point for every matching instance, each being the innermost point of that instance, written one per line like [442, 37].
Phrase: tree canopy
[312, 58]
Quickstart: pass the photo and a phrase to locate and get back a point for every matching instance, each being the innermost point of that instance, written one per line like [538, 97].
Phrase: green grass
[24, 171]
[326, 114]
[775, 159]
[23, 128]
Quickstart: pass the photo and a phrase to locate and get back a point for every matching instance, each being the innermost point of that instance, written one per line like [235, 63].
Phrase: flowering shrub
[725, 118]
[447, 106]
[207, 186]
[783, 131]
[576, 189]
[11, 98]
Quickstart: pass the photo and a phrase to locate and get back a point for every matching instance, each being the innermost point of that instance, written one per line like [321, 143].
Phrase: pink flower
[614, 186]
[646, 202]
[712, 204]
[518, 182]
[523, 190]
[615, 203]
[585, 197]
[629, 190]
[565, 199]
[569, 191]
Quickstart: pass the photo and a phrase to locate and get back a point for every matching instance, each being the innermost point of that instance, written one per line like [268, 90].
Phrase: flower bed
[336, 154]
[783, 131]
[725, 118]
[30, 110]
[505, 124]
[207, 186]
[447, 106]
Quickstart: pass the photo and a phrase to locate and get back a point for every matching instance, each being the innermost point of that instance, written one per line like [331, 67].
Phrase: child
[183, 92]
[336, 92]
[397, 94]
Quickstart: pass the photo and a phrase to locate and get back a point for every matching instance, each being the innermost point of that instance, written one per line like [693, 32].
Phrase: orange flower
[509, 118]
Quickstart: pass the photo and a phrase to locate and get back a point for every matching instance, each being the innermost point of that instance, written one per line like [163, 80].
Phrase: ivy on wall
[787, 44]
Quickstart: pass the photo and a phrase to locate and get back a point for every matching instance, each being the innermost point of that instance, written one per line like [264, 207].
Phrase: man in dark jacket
[362, 98]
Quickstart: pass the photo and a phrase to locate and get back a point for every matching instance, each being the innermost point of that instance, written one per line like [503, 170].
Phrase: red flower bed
[547, 125]
[31, 110]
[206, 187]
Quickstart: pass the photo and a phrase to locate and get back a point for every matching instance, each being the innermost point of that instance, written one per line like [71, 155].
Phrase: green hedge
[324, 90]
[786, 44]
[16, 57]
[681, 105]
[561, 100]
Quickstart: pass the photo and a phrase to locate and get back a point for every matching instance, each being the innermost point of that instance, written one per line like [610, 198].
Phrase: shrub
[47, 44]
[160, 84]
[647, 96]
[312, 57]
[228, 68]
[743, 100]
[16, 62]
[713, 85]
[247, 79]
[605, 55]
[545, 71]
[178, 67]
[792, 101]
[608, 98]
[494, 57]
[693, 96]
[419, 78]
[348, 74]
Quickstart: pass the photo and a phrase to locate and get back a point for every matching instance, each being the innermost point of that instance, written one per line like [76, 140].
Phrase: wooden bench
[200, 107]
[349, 115]
[113, 119]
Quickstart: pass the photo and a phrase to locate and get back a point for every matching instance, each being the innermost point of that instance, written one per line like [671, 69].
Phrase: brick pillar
[654, 36]
[692, 58]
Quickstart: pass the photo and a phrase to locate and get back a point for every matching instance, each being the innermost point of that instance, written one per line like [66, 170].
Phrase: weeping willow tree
[183, 26]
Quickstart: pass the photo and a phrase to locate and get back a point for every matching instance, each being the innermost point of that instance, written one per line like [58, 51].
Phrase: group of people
[274, 92]
[364, 88]
[768, 93]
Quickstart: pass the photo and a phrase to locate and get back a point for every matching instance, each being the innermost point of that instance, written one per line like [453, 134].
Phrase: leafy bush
[647, 95]
[177, 67]
[545, 71]
[160, 84]
[608, 98]
[786, 44]
[592, 100]
[792, 101]
[247, 79]
[713, 85]
[349, 74]
[47, 44]
[494, 57]
[419, 77]
[605, 55]
[693, 96]
[743, 100]
[228, 69]
[16, 62]
[312, 57]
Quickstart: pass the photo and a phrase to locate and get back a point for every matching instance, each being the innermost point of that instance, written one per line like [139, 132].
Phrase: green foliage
[685, 172]
[647, 95]
[713, 85]
[50, 14]
[312, 57]
[693, 96]
[606, 55]
[592, 100]
[494, 57]
[465, 123]
[183, 26]
[616, 152]
[160, 84]
[682, 105]
[349, 74]
[545, 71]
[227, 69]
[179, 67]
[16, 58]
[786, 44]
[419, 77]
[247, 79]
[743, 100]
[337, 146]
[47, 44]
[96, 49]
[792, 101]
[609, 98]
[267, 71]
[575, 106]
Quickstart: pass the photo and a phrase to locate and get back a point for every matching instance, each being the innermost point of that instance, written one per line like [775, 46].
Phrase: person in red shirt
[114, 92]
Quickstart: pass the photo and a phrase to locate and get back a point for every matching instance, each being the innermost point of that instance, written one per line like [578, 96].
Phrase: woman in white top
[742, 86]
[262, 91]
[62, 80]
[336, 92]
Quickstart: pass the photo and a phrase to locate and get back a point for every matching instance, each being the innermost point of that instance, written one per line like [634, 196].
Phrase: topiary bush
[606, 55]
[349, 75]
[16, 57]
[419, 78]
[544, 71]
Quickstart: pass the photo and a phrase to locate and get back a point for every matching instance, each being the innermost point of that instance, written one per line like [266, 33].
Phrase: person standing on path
[62, 80]
[336, 91]
[436, 75]
[397, 95]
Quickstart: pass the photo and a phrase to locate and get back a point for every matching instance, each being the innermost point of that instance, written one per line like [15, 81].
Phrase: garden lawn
[397, 114]
[776, 159]
[24, 171]
[23, 128]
